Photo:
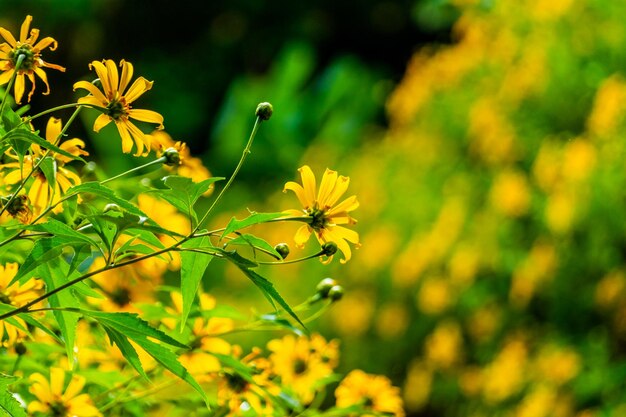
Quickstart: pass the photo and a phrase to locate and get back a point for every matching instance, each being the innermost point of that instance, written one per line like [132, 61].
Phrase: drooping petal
[127, 75]
[19, 88]
[5, 77]
[57, 377]
[74, 146]
[299, 191]
[46, 42]
[342, 245]
[146, 116]
[127, 140]
[93, 90]
[24, 29]
[326, 186]
[345, 233]
[33, 36]
[140, 86]
[302, 235]
[90, 100]
[100, 122]
[141, 139]
[82, 405]
[31, 77]
[53, 129]
[8, 37]
[40, 388]
[308, 183]
[41, 74]
[347, 205]
[53, 66]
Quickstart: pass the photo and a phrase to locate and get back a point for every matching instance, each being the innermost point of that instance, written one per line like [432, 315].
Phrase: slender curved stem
[156, 161]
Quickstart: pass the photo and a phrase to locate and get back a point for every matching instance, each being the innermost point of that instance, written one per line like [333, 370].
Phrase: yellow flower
[115, 101]
[32, 64]
[15, 295]
[189, 166]
[41, 193]
[52, 400]
[324, 215]
[302, 364]
[374, 392]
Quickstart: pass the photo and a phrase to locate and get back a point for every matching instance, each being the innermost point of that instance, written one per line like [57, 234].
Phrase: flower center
[30, 57]
[4, 299]
[236, 383]
[58, 409]
[121, 296]
[116, 109]
[318, 219]
[299, 367]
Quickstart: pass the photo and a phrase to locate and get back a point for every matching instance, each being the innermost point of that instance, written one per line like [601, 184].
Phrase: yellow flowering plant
[88, 324]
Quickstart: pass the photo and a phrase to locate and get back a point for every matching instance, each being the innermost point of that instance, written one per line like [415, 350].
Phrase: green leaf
[254, 218]
[54, 274]
[254, 242]
[60, 229]
[193, 265]
[48, 166]
[9, 405]
[183, 192]
[128, 351]
[236, 365]
[100, 190]
[43, 251]
[275, 319]
[31, 137]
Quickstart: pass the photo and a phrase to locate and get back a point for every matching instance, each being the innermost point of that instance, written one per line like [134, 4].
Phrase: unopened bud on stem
[264, 111]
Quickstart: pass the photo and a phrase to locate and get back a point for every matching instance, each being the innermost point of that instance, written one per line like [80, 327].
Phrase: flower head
[325, 215]
[31, 64]
[373, 392]
[115, 101]
[52, 400]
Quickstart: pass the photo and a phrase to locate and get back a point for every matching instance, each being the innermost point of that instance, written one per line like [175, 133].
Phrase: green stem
[156, 161]
[293, 261]
[18, 63]
[246, 152]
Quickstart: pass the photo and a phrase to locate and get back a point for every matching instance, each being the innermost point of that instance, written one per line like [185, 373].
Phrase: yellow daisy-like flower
[115, 101]
[52, 400]
[373, 392]
[32, 63]
[41, 193]
[324, 215]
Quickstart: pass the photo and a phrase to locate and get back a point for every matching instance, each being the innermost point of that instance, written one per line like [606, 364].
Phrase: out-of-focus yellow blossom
[41, 193]
[444, 347]
[32, 64]
[579, 160]
[381, 245]
[484, 322]
[560, 211]
[538, 403]
[464, 265]
[206, 338]
[471, 381]
[510, 193]
[324, 215]
[353, 315]
[417, 385]
[493, 138]
[115, 101]
[392, 320]
[15, 295]
[557, 364]
[301, 364]
[532, 272]
[189, 166]
[55, 400]
[608, 107]
[375, 392]
[506, 375]
[435, 296]
[610, 289]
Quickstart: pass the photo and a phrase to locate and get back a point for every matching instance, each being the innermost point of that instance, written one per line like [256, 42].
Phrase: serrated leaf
[278, 321]
[128, 351]
[254, 242]
[193, 265]
[48, 166]
[193, 189]
[255, 218]
[9, 405]
[31, 137]
[236, 365]
[54, 274]
[60, 229]
[44, 250]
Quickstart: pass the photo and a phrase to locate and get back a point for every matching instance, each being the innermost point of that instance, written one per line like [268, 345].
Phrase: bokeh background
[483, 138]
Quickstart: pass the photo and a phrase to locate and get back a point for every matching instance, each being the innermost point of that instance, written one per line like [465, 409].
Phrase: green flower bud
[172, 157]
[282, 249]
[324, 286]
[20, 349]
[264, 111]
[329, 248]
[335, 293]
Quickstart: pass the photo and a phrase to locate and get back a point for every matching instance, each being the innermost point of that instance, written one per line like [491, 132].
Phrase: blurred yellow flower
[114, 100]
[418, 385]
[15, 295]
[510, 193]
[506, 374]
[435, 296]
[443, 348]
[53, 400]
[41, 192]
[374, 392]
[323, 215]
[608, 108]
[32, 62]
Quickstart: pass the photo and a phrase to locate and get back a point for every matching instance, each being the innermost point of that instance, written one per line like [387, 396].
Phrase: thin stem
[18, 63]
[246, 152]
[156, 161]
[293, 261]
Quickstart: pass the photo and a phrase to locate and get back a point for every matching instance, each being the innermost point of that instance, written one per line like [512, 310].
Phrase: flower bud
[112, 207]
[264, 111]
[324, 286]
[329, 248]
[335, 293]
[172, 157]
[282, 249]
[20, 349]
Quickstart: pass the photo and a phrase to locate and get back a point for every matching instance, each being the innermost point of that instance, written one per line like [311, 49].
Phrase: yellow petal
[347, 205]
[127, 75]
[308, 183]
[140, 86]
[53, 129]
[100, 122]
[341, 185]
[326, 186]
[113, 75]
[8, 37]
[101, 71]
[140, 138]
[299, 191]
[40, 388]
[41, 74]
[57, 378]
[6, 76]
[46, 42]
[24, 28]
[146, 116]
[95, 91]
[75, 387]
[19, 88]
[302, 235]
[127, 140]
